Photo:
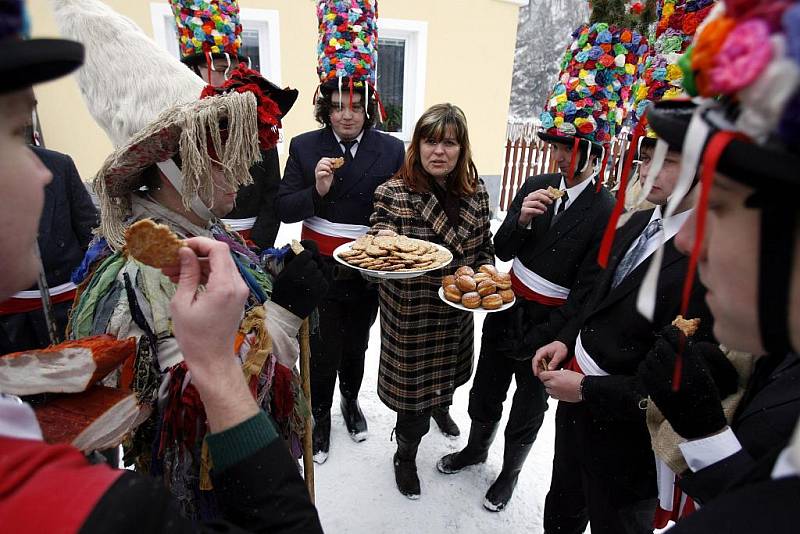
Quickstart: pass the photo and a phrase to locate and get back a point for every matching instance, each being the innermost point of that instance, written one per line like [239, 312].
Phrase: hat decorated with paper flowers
[596, 76]
[745, 61]
[207, 27]
[348, 41]
[661, 77]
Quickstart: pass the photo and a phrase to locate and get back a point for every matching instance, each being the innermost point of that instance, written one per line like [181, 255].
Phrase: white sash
[35, 294]
[332, 229]
[239, 225]
[536, 283]
[586, 362]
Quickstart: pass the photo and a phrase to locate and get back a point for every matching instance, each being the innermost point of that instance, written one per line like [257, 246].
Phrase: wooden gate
[527, 155]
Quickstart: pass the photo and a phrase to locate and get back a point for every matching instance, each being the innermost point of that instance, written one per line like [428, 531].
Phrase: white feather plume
[126, 79]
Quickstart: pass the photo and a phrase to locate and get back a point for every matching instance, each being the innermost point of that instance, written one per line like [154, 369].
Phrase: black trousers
[338, 347]
[412, 427]
[26, 331]
[578, 495]
[489, 389]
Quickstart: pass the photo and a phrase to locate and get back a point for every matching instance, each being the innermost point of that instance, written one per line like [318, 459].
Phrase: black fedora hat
[755, 165]
[27, 62]
[569, 140]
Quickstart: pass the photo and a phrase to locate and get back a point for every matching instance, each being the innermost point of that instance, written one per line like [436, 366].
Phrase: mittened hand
[301, 284]
[695, 410]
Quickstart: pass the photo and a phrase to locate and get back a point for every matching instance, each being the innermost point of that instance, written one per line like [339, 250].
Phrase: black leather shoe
[321, 437]
[481, 436]
[354, 419]
[446, 425]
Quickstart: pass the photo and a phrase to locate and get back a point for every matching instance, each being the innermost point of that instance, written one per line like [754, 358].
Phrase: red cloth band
[327, 244]
[15, 305]
[524, 292]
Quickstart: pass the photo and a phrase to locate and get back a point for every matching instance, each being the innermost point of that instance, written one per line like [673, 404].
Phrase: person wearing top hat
[335, 203]
[76, 496]
[553, 243]
[65, 230]
[182, 169]
[744, 237]
[603, 469]
[210, 41]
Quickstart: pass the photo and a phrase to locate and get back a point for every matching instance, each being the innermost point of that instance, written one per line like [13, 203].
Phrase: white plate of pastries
[484, 291]
[393, 257]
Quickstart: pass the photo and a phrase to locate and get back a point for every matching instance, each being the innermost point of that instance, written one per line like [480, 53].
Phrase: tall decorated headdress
[206, 28]
[347, 50]
[662, 76]
[587, 104]
[168, 111]
[209, 29]
[745, 64]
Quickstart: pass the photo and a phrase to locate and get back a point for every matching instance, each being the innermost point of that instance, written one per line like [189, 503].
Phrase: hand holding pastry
[534, 205]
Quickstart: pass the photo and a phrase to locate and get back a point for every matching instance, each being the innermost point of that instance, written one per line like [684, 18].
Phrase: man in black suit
[65, 230]
[739, 458]
[335, 204]
[603, 469]
[554, 245]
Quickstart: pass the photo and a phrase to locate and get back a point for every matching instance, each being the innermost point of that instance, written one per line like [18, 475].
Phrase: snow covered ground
[355, 488]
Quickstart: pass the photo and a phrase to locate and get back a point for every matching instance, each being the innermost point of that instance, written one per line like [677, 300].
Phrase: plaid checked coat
[426, 345]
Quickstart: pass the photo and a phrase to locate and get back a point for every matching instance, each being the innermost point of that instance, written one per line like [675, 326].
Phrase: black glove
[301, 285]
[695, 410]
[722, 370]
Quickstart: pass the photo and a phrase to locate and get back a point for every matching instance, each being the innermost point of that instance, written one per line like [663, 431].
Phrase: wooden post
[504, 184]
[305, 376]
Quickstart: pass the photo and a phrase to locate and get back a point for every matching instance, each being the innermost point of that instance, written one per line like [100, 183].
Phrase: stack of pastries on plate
[487, 288]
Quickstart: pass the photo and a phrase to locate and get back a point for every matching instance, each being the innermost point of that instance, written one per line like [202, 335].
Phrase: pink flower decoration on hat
[744, 55]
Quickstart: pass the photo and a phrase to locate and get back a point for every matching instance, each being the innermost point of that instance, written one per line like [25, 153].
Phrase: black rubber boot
[503, 488]
[321, 436]
[481, 436]
[448, 427]
[405, 467]
[354, 419]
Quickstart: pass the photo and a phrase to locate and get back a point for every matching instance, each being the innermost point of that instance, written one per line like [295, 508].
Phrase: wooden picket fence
[527, 155]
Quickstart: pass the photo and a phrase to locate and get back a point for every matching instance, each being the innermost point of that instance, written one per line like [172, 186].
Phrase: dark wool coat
[426, 345]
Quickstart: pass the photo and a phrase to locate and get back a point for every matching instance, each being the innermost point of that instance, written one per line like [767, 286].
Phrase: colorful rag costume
[226, 128]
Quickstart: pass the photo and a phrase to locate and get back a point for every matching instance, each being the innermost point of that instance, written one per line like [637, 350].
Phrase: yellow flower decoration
[561, 98]
[667, 10]
[558, 121]
[674, 72]
[630, 68]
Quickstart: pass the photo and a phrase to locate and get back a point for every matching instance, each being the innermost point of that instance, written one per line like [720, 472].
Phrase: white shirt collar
[575, 191]
[357, 139]
[672, 224]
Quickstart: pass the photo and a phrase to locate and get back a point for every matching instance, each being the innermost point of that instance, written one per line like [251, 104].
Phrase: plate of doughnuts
[484, 291]
[392, 257]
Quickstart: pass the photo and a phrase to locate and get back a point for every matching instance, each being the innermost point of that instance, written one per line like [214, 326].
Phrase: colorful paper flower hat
[207, 27]
[212, 28]
[661, 77]
[745, 61]
[348, 41]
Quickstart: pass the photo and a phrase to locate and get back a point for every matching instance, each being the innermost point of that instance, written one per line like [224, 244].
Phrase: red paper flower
[637, 8]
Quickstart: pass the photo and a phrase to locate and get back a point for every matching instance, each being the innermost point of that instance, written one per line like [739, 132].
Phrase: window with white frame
[402, 55]
[260, 37]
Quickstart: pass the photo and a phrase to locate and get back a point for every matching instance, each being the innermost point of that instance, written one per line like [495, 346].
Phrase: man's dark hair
[324, 104]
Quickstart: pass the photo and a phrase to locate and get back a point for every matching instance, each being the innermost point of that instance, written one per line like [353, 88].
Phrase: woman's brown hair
[433, 124]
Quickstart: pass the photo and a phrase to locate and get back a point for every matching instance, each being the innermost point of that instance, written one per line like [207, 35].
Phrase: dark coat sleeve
[297, 196]
[510, 236]
[263, 493]
[268, 174]
[486, 252]
[84, 215]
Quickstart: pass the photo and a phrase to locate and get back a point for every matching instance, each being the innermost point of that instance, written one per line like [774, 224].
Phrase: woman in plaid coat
[426, 345]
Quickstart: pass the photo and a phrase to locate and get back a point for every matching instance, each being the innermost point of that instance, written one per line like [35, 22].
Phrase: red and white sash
[530, 286]
[243, 226]
[26, 301]
[330, 235]
[673, 504]
[583, 362]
